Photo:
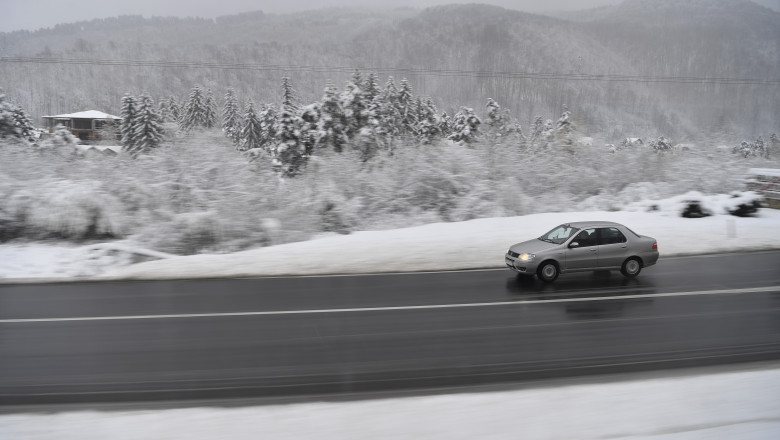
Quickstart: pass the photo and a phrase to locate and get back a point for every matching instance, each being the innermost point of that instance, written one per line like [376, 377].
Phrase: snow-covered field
[475, 244]
[714, 406]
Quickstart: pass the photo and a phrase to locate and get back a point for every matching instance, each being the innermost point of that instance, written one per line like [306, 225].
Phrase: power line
[391, 70]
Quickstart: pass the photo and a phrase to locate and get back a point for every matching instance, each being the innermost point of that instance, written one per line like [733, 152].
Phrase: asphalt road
[148, 340]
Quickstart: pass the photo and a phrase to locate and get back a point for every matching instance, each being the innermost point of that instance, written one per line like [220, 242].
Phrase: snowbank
[475, 244]
[713, 406]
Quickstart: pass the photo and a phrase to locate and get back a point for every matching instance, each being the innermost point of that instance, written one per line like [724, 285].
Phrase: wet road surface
[143, 340]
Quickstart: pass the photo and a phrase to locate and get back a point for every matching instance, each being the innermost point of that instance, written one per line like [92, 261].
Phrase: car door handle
[593, 249]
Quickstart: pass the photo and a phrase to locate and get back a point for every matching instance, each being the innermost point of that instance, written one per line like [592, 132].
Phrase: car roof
[593, 224]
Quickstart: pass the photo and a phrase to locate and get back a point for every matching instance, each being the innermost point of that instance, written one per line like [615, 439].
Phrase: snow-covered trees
[210, 111]
[331, 127]
[290, 151]
[146, 127]
[127, 126]
[751, 149]
[231, 120]
[251, 132]
[174, 110]
[141, 127]
[465, 126]
[564, 130]
[14, 121]
[196, 114]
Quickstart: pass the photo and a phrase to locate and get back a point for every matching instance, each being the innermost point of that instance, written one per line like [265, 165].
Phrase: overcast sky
[36, 14]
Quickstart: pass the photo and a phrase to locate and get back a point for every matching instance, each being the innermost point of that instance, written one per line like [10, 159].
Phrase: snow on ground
[475, 244]
[714, 406]
[56, 261]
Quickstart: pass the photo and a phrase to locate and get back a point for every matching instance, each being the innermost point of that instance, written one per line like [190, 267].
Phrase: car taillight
[655, 246]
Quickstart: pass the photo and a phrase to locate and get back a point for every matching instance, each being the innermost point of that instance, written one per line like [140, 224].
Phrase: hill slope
[697, 38]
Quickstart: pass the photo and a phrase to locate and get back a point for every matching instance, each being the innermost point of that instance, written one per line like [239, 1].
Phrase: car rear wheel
[547, 272]
[631, 267]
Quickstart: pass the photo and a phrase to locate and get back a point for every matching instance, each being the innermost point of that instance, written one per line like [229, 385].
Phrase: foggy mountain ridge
[671, 38]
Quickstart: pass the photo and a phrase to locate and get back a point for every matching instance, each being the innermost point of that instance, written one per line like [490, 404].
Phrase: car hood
[532, 246]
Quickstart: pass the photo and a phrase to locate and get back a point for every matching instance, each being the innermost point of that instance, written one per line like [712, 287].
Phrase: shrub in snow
[186, 233]
[694, 204]
[751, 149]
[61, 141]
[661, 145]
[693, 209]
[743, 204]
[67, 209]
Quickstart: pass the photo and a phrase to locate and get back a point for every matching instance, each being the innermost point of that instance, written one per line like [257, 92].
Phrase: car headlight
[526, 257]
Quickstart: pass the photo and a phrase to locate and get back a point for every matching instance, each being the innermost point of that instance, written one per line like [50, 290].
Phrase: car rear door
[613, 247]
[585, 255]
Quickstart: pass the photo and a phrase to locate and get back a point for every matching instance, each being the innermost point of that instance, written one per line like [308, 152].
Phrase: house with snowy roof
[88, 125]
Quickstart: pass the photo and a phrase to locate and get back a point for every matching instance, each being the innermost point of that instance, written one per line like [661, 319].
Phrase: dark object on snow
[746, 209]
[693, 209]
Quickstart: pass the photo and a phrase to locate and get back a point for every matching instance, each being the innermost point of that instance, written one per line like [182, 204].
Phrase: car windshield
[559, 234]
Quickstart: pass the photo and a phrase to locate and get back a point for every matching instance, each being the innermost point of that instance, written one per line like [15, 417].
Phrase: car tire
[631, 267]
[547, 272]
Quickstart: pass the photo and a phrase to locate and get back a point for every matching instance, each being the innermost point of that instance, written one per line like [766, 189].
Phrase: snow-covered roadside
[475, 244]
[713, 406]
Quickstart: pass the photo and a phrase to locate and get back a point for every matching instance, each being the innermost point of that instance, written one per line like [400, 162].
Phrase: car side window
[586, 238]
[611, 236]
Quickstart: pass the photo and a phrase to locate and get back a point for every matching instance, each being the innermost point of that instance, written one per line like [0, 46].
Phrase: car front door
[613, 247]
[583, 255]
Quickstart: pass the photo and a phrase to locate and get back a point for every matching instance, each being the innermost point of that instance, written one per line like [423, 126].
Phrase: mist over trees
[670, 38]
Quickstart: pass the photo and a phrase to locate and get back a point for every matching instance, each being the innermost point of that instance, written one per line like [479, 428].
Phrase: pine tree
[331, 127]
[210, 111]
[147, 131]
[289, 98]
[564, 130]
[536, 131]
[23, 123]
[428, 123]
[405, 107]
[310, 117]
[8, 125]
[127, 126]
[251, 133]
[231, 120]
[195, 111]
[174, 110]
[268, 125]
[391, 118]
[163, 110]
[290, 152]
[355, 109]
[370, 87]
[465, 126]
[445, 124]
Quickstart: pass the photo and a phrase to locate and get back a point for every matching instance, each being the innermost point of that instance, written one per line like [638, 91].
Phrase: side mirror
[574, 244]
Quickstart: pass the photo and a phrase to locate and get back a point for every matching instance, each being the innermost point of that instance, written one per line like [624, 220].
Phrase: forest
[196, 177]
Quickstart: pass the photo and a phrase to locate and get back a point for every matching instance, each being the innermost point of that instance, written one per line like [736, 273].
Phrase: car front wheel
[547, 272]
[631, 267]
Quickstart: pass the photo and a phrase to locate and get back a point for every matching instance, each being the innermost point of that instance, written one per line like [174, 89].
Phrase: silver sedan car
[583, 246]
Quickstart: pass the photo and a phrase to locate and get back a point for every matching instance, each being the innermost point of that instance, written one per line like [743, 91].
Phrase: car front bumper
[519, 266]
